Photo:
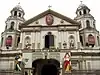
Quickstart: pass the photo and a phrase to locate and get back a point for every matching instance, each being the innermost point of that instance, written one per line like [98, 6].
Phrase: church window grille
[15, 13]
[9, 41]
[84, 11]
[88, 23]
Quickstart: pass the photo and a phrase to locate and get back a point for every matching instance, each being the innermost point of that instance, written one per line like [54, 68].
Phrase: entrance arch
[49, 40]
[46, 67]
[49, 69]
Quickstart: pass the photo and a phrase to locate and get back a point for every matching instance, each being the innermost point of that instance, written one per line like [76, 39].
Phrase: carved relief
[71, 41]
[49, 19]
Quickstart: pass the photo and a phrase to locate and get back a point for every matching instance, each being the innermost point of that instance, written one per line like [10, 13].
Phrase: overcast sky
[34, 7]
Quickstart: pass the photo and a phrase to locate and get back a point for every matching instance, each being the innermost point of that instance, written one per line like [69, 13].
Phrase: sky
[35, 7]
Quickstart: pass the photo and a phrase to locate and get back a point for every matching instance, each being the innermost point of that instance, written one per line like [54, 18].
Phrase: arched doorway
[46, 67]
[49, 40]
[49, 69]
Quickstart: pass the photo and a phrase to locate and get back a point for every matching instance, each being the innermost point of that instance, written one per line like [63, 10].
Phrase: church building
[50, 44]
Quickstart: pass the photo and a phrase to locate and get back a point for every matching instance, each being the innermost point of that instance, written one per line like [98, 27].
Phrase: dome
[82, 6]
[18, 8]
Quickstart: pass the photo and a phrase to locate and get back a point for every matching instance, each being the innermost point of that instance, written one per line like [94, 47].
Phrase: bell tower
[84, 17]
[11, 35]
[89, 36]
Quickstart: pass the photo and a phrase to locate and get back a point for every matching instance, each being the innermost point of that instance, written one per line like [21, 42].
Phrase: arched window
[80, 13]
[9, 41]
[49, 40]
[84, 11]
[88, 23]
[19, 14]
[12, 26]
[18, 40]
[81, 40]
[27, 41]
[15, 13]
[71, 41]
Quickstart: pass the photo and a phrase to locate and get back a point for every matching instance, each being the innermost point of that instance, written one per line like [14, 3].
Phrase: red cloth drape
[66, 62]
[91, 40]
[9, 41]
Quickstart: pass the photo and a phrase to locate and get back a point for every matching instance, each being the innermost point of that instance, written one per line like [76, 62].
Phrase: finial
[81, 2]
[49, 6]
[18, 1]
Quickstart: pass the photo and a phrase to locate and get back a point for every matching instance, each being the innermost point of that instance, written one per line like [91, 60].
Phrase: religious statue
[27, 45]
[18, 63]
[67, 62]
[72, 43]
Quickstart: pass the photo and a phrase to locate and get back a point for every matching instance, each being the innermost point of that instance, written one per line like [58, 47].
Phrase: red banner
[9, 41]
[91, 40]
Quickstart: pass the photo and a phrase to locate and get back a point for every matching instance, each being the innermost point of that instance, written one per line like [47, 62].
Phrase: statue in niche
[71, 43]
[27, 45]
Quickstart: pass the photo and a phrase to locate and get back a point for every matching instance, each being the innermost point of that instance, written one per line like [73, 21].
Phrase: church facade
[44, 40]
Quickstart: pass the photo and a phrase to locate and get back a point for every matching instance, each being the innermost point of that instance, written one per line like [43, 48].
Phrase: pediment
[49, 18]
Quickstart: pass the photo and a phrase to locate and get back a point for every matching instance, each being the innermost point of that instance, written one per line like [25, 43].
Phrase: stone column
[61, 68]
